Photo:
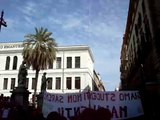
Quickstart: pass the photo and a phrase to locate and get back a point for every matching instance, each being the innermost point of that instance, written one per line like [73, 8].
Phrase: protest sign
[122, 104]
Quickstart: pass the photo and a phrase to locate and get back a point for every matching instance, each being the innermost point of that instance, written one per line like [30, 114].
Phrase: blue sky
[100, 24]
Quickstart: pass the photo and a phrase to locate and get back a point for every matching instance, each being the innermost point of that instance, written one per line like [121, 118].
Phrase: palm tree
[39, 52]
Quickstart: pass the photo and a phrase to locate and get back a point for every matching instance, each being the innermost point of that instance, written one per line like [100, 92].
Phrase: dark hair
[103, 114]
[54, 116]
[87, 114]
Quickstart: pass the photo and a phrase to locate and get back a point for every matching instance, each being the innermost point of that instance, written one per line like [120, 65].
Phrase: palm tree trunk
[35, 87]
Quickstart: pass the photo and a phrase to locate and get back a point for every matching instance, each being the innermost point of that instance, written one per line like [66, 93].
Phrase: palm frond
[39, 49]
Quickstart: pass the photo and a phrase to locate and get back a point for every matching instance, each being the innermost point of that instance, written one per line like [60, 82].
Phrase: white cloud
[54, 21]
[29, 21]
[28, 9]
[11, 23]
[72, 23]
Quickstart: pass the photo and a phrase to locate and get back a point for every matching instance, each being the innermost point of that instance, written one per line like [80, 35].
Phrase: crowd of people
[91, 114]
[11, 111]
[87, 114]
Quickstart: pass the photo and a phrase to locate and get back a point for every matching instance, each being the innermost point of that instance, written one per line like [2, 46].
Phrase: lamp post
[2, 22]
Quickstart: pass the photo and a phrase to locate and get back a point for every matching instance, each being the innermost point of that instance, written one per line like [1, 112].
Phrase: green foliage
[39, 49]
[39, 52]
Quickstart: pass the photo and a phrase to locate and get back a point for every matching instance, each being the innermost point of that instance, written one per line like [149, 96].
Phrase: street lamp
[2, 22]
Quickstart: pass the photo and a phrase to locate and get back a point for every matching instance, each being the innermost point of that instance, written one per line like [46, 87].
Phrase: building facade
[72, 71]
[140, 54]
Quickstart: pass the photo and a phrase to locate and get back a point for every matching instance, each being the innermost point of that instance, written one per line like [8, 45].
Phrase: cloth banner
[122, 104]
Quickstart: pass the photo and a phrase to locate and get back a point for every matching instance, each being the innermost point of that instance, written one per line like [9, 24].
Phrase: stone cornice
[16, 47]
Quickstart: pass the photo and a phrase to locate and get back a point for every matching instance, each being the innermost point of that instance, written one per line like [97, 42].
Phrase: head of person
[23, 62]
[54, 116]
[103, 114]
[87, 114]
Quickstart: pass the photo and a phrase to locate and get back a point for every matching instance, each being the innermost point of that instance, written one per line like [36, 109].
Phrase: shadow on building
[140, 54]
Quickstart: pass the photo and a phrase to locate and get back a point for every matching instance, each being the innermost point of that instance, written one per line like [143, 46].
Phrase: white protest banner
[68, 104]
[122, 104]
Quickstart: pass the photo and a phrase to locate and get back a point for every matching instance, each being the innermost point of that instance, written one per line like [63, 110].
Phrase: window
[143, 7]
[5, 83]
[69, 82]
[58, 63]
[33, 83]
[135, 45]
[49, 83]
[15, 63]
[58, 83]
[77, 62]
[142, 38]
[136, 30]
[27, 80]
[139, 20]
[50, 65]
[7, 63]
[69, 62]
[77, 83]
[12, 83]
[147, 30]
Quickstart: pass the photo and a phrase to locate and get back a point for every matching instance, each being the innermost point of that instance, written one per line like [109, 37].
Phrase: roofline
[61, 48]
[76, 47]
